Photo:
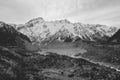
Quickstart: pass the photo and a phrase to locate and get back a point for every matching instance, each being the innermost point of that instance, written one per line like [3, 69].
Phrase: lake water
[68, 52]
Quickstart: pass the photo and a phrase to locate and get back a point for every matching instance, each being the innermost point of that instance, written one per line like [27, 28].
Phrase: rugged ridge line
[39, 30]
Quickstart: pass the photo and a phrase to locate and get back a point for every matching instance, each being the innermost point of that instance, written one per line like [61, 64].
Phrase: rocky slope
[115, 37]
[40, 30]
[9, 36]
[50, 67]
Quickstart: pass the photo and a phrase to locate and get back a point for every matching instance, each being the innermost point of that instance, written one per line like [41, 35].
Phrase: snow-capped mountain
[40, 30]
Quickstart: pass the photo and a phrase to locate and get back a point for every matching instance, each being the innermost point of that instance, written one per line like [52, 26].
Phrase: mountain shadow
[9, 36]
[115, 37]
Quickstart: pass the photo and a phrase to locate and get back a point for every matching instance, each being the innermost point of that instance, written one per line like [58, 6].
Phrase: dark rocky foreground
[18, 62]
[14, 66]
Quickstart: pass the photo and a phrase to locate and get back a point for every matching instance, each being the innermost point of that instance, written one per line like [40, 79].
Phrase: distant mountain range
[39, 30]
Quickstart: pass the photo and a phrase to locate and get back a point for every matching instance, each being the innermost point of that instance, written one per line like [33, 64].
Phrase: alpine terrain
[59, 50]
[39, 30]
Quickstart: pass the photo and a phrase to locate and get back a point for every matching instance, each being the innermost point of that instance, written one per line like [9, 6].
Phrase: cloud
[98, 12]
[14, 11]
[22, 10]
[86, 11]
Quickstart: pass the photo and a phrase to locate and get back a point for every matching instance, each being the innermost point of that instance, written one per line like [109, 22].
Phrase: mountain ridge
[39, 30]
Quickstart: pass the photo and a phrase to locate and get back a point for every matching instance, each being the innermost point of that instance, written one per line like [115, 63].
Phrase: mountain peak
[36, 20]
[65, 21]
[2, 24]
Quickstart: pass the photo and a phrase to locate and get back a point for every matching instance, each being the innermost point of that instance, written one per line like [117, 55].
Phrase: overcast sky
[84, 11]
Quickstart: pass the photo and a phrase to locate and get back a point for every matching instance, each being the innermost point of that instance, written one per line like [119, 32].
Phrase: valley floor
[18, 64]
[99, 53]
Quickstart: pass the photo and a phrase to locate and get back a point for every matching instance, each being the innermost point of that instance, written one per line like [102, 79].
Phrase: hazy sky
[85, 11]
